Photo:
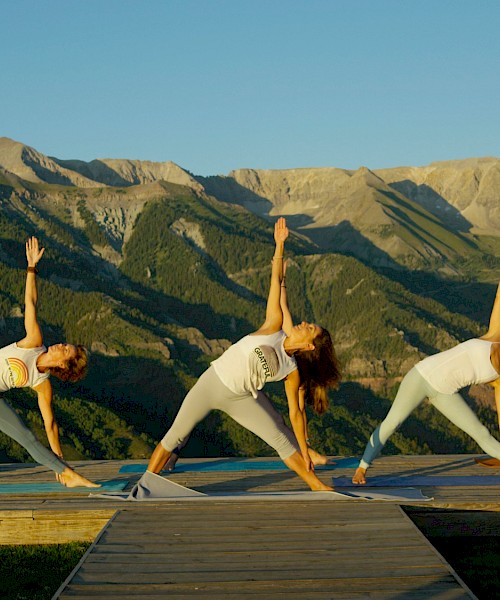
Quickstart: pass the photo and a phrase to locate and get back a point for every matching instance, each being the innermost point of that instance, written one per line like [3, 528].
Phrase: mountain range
[158, 270]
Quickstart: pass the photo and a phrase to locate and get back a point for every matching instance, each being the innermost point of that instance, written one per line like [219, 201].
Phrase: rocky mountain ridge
[465, 194]
[432, 218]
[157, 278]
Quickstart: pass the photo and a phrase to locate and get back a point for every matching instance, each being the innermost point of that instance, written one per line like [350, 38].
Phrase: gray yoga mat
[154, 488]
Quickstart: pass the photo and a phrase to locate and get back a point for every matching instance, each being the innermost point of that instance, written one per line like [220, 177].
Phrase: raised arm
[33, 337]
[494, 326]
[274, 315]
[287, 317]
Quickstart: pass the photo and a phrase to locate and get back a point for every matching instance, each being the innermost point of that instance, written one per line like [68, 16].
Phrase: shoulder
[293, 378]
[44, 386]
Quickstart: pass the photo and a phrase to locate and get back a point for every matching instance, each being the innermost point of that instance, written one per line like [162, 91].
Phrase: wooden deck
[252, 549]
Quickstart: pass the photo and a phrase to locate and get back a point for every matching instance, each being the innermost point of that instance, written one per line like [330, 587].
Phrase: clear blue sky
[215, 85]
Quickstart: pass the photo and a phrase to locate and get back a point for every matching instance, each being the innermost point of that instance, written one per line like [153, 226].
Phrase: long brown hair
[76, 367]
[319, 370]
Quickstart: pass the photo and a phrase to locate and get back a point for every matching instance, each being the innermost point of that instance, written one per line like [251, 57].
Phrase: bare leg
[359, 477]
[158, 459]
[319, 459]
[72, 479]
[296, 463]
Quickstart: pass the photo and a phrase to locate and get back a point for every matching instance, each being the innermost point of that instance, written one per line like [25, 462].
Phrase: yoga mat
[488, 462]
[425, 480]
[51, 487]
[154, 488]
[225, 466]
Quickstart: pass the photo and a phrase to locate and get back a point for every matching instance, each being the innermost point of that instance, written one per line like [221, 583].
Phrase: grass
[36, 572]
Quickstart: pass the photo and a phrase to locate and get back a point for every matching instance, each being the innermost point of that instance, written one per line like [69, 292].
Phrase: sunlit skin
[57, 355]
[301, 337]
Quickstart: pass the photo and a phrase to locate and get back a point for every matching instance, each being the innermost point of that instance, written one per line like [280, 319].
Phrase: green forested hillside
[188, 275]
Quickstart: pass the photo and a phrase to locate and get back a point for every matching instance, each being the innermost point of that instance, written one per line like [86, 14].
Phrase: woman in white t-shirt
[28, 363]
[302, 356]
[439, 377]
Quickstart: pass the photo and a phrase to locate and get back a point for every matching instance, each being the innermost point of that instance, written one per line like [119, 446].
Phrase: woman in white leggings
[302, 356]
[439, 378]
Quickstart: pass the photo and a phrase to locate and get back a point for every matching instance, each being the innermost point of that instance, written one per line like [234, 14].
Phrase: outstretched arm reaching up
[33, 337]
[287, 316]
[493, 333]
[274, 314]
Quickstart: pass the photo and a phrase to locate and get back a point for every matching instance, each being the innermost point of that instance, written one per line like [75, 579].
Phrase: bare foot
[322, 488]
[359, 476]
[171, 462]
[72, 479]
[319, 459]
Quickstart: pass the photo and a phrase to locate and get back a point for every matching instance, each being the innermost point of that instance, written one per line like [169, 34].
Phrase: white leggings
[255, 414]
[412, 392]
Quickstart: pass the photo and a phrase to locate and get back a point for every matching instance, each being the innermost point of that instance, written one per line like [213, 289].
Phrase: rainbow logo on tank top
[19, 375]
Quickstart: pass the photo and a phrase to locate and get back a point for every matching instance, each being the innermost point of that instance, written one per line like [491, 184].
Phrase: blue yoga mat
[221, 465]
[425, 480]
[51, 487]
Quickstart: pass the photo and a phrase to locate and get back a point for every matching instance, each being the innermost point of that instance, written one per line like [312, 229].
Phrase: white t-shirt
[18, 367]
[466, 364]
[253, 361]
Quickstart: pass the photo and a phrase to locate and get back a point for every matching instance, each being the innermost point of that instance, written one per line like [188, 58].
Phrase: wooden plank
[236, 593]
[368, 587]
[256, 558]
[58, 531]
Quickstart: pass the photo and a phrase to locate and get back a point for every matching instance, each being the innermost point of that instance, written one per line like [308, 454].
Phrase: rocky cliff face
[31, 165]
[418, 217]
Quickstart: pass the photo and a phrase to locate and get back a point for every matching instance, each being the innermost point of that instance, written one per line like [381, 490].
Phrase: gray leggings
[12, 425]
[412, 392]
[255, 414]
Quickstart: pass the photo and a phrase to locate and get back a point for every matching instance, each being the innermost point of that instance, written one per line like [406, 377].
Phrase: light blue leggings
[255, 414]
[12, 425]
[412, 392]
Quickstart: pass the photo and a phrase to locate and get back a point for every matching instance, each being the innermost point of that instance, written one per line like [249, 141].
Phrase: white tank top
[243, 367]
[18, 367]
[466, 364]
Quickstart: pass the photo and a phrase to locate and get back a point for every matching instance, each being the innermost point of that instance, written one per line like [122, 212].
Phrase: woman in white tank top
[301, 356]
[439, 378]
[28, 363]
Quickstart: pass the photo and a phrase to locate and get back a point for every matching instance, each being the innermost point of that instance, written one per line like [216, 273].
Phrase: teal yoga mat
[222, 466]
[54, 487]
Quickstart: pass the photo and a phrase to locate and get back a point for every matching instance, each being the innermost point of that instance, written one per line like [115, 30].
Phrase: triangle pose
[302, 356]
[28, 363]
[440, 377]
